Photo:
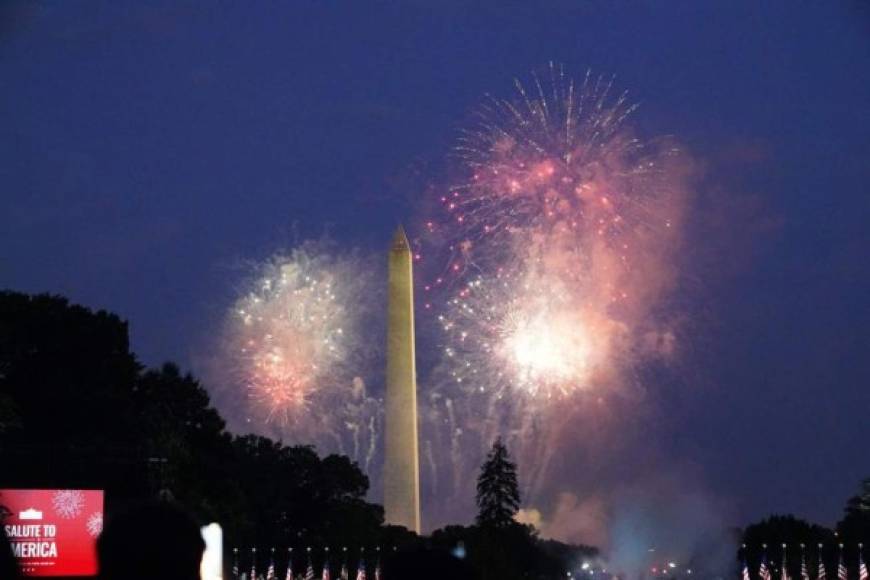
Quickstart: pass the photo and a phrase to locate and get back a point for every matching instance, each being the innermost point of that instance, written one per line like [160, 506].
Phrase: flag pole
[820, 570]
[862, 567]
[253, 564]
[745, 571]
[289, 574]
[842, 573]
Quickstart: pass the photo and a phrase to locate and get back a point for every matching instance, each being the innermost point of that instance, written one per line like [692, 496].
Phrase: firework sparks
[524, 332]
[294, 342]
[291, 337]
[95, 524]
[68, 503]
[556, 161]
[554, 234]
[560, 253]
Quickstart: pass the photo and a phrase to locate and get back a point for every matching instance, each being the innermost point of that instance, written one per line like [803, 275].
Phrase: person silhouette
[155, 540]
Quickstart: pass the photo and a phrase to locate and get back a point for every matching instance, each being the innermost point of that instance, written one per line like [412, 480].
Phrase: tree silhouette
[777, 530]
[78, 410]
[67, 377]
[860, 504]
[855, 525]
[498, 495]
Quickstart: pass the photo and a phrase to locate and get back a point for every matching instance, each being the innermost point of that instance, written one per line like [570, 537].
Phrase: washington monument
[401, 462]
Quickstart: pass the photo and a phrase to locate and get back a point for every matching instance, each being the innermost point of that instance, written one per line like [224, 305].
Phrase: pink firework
[559, 159]
[562, 247]
[293, 333]
[294, 352]
[561, 240]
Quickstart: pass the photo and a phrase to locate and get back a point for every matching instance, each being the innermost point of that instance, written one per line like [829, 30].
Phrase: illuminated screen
[53, 532]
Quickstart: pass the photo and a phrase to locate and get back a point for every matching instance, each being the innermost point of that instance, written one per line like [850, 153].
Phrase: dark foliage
[511, 551]
[855, 525]
[775, 531]
[68, 375]
[808, 540]
[498, 546]
[78, 410]
[498, 494]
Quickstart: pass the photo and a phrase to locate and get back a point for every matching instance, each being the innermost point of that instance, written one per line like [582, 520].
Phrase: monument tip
[400, 240]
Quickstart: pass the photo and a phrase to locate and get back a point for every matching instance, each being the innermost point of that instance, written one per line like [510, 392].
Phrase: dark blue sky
[147, 148]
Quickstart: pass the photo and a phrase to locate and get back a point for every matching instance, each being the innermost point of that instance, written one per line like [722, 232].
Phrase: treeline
[786, 538]
[497, 546]
[78, 410]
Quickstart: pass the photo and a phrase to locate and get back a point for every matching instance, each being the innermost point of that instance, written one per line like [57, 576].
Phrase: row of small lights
[802, 545]
[587, 568]
[309, 548]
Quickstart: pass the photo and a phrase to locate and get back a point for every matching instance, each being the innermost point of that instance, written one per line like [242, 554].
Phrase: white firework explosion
[95, 524]
[68, 503]
[562, 244]
[297, 347]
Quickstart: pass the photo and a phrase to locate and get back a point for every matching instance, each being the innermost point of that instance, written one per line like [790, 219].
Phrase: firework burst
[524, 333]
[294, 342]
[559, 159]
[560, 252]
[68, 503]
[95, 524]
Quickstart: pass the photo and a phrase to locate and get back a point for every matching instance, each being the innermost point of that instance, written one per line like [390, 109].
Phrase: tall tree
[66, 385]
[187, 450]
[498, 494]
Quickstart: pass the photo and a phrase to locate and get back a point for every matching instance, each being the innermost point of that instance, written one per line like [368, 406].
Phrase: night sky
[149, 148]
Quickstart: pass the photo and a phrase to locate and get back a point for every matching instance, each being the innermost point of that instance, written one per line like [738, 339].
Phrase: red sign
[53, 532]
